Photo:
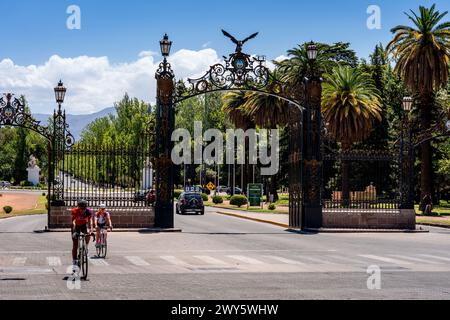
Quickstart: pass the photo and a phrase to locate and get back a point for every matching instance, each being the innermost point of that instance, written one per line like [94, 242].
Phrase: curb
[434, 225]
[147, 230]
[323, 230]
[253, 219]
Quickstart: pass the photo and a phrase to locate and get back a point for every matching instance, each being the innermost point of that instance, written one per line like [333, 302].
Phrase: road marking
[351, 260]
[414, 259]
[284, 260]
[435, 257]
[19, 261]
[137, 261]
[246, 259]
[54, 261]
[384, 259]
[210, 260]
[317, 260]
[98, 262]
[174, 260]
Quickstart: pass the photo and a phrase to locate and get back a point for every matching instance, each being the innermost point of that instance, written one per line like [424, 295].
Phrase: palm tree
[233, 102]
[350, 105]
[422, 54]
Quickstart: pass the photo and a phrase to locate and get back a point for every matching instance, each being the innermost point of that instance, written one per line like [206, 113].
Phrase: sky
[116, 50]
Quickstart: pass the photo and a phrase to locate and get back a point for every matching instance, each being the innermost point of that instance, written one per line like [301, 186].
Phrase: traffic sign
[211, 186]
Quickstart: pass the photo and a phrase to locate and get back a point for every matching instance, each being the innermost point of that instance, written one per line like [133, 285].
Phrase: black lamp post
[312, 172]
[407, 157]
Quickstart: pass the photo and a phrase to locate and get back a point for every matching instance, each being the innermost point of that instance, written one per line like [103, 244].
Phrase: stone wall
[369, 219]
[60, 217]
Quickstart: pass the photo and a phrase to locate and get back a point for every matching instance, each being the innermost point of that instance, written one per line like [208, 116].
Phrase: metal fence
[119, 175]
[367, 180]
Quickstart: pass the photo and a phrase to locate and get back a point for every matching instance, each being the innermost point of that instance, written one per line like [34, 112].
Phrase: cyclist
[81, 223]
[101, 217]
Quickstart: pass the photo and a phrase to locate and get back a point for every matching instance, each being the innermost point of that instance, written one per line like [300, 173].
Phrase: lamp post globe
[312, 51]
[407, 104]
[60, 93]
[165, 45]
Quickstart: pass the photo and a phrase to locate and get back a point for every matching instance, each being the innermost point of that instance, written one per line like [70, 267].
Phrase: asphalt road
[220, 257]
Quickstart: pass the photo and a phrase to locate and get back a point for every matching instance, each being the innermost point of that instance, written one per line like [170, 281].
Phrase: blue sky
[119, 31]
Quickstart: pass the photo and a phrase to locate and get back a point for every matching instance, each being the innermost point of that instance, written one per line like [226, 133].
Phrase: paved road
[220, 257]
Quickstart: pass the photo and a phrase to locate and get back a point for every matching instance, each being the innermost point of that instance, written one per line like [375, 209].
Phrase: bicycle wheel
[84, 263]
[104, 247]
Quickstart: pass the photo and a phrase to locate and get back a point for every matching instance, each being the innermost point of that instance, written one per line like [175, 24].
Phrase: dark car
[190, 202]
[5, 184]
[140, 196]
[237, 191]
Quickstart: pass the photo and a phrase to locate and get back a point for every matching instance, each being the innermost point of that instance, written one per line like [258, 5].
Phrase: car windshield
[191, 196]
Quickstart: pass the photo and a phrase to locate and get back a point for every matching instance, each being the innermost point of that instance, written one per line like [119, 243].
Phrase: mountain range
[77, 122]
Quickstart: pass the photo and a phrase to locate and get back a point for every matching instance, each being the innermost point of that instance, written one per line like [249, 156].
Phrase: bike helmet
[82, 204]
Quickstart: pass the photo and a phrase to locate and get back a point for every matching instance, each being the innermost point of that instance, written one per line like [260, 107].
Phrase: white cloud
[93, 82]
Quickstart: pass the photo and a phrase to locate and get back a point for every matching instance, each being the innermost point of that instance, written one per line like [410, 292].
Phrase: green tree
[350, 105]
[422, 56]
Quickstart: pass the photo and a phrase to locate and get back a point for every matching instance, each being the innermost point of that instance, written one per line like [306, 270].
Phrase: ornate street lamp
[60, 93]
[165, 45]
[407, 104]
[312, 51]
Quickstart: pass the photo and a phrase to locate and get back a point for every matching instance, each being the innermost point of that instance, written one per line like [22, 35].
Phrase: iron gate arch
[13, 113]
[240, 72]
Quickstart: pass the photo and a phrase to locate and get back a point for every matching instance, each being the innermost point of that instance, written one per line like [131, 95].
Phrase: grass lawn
[39, 209]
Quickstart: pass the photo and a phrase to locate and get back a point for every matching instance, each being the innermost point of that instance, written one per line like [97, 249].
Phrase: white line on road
[174, 260]
[284, 260]
[19, 261]
[246, 259]
[137, 261]
[98, 262]
[435, 257]
[414, 259]
[54, 261]
[385, 259]
[210, 260]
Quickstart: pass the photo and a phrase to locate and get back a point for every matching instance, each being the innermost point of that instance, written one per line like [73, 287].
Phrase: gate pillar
[312, 162]
[164, 212]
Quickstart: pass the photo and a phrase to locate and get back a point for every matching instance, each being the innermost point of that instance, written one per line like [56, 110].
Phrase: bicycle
[82, 256]
[102, 246]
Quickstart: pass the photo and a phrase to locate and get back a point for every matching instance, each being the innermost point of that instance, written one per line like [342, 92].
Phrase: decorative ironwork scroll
[14, 113]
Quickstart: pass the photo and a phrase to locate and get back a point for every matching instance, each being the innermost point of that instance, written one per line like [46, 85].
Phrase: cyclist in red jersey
[81, 223]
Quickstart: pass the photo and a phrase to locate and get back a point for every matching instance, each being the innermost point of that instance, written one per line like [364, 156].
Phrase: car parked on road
[5, 184]
[190, 202]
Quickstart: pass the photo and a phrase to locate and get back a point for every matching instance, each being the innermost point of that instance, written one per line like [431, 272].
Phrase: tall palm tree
[233, 103]
[422, 54]
[350, 106]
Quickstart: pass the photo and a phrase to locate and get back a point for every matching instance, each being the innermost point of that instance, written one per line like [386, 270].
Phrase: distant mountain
[77, 122]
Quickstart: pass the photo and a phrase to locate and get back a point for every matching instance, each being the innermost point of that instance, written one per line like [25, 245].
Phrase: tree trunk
[426, 166]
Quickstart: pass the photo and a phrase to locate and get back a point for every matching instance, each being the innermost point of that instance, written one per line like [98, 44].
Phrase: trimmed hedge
[7, 209]
[205, 197]
[238, 200]
[272, 206]
[217, 200]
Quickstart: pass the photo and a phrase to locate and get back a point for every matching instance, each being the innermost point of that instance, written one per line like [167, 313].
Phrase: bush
[238, 201]
[26, 183]
[177, 193]
[217, 199]
[7, 209]
[272, 206]
[43, 194]
[205, 197]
